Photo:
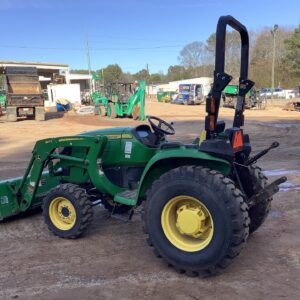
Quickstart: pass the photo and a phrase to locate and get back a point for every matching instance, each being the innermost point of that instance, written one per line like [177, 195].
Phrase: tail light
[237, 140]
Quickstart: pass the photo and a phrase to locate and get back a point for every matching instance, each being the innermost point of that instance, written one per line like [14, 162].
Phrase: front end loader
[199, 201]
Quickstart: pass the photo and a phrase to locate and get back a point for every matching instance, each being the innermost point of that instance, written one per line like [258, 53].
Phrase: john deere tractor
[122, 100]
[199, 201]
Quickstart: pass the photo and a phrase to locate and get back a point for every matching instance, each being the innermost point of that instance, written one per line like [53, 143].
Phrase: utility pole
[88, 60]
[147, 68]
[273, 32]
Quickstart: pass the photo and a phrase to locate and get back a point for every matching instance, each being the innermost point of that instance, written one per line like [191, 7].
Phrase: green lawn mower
[199, 201]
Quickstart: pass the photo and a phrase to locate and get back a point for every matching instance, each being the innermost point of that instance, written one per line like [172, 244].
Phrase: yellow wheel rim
[62, 213]
[187, 223]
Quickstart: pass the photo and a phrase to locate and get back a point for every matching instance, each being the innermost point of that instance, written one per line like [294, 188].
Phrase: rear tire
[113, 111]
[259, 212]
[67, 211]
[39, 114]
[11, 114]
[102, 111]
[136, 112]
[204, 192]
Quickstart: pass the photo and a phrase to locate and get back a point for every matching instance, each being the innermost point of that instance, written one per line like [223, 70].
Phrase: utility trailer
[24, 94]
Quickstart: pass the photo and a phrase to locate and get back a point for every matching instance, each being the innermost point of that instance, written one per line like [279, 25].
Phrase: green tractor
[122, 100]
[230, 93]
[2, 100]
[199, 201]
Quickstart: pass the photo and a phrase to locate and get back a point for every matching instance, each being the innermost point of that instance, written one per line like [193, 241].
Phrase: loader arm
[42, 155]
[138, 98]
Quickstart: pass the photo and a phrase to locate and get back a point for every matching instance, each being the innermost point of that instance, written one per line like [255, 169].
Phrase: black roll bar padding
[220, 45]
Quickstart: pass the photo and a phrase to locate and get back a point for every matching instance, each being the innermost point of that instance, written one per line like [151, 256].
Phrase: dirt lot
[113, 261]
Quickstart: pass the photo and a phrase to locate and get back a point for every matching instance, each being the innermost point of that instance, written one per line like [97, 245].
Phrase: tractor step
[126, 197]
[123, 217]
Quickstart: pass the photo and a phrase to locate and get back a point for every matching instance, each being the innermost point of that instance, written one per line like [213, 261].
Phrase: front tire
[196, 219]
[67, 211]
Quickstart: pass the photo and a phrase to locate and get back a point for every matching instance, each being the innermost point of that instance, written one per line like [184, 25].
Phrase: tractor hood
[110, 133]
[122, 148]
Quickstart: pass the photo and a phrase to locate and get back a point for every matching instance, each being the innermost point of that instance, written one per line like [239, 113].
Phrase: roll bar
[221, 79]
[220, 44]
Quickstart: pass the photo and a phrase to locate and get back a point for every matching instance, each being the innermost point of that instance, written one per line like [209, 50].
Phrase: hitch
[267, 192]
[261, 153]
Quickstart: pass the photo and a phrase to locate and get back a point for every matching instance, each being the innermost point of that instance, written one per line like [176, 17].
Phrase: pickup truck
[277, 93]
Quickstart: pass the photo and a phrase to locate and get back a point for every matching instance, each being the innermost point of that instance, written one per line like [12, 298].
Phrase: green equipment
[122, 100]
[230, 94]
[165, 96]
[3, 99]
[200, 200]
[100, 103]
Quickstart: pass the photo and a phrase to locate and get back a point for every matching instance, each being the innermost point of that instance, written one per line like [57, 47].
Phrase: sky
[131, 33]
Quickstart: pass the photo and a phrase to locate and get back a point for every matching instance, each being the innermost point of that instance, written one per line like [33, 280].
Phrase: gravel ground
[113, 260]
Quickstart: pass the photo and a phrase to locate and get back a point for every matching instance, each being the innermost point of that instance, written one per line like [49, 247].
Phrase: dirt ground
[113, 260]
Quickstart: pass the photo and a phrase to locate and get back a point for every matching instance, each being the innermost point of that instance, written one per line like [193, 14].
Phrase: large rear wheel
[136, 111]
[259, 212]
[196, 219]
[111, 111]
[102, 110]
[11, 114]
[39, 113]
[67, 211]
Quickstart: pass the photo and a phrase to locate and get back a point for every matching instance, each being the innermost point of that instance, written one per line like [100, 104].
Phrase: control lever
[262, 153]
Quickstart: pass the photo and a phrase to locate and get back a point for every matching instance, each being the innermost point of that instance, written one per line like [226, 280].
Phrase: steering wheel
[160, 126]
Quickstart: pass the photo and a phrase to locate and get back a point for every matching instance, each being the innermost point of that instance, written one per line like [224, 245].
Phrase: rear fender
[166, 160]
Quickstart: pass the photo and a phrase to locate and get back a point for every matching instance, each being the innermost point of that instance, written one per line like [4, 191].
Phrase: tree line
[196, 59]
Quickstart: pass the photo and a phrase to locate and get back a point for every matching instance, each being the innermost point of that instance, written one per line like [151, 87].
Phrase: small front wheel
[67, 211]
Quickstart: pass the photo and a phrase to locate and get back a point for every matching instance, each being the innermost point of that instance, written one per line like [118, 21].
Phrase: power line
[40, 48]
[136, 48]
[92, 48]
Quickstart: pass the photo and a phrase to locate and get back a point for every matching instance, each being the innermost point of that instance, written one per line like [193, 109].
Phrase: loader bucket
[8, 199]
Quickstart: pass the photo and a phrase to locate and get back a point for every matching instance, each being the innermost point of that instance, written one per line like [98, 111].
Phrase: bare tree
[232, 52]
[261, 58]
[193, 55]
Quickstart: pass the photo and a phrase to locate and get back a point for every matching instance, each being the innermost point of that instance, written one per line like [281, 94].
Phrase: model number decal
[4, 200]
[128, 147]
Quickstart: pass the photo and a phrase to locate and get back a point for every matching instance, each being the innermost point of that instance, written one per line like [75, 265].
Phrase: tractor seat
[123, 101]
[144, 134]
